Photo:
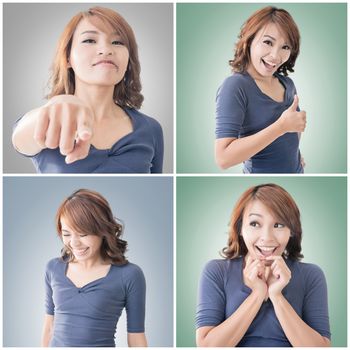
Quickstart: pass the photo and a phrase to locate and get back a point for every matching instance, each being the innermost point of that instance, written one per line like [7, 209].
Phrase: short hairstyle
[88, 212]
[62, 81]
[256, 22]
[283, 207]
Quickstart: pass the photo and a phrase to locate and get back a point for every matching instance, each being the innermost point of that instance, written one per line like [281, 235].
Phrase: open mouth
[269, 65]
[266, 251]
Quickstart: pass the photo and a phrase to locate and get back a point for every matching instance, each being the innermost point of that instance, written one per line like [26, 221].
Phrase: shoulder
[236, 81]
[311, 273]
[130, 272]
[53, 264]
[218, 268]
[145, 120]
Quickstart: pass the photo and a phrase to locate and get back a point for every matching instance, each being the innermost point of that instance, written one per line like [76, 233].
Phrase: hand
[279, 277]
[302, 162]
[254, 275]
[291, 120]
[65, 122]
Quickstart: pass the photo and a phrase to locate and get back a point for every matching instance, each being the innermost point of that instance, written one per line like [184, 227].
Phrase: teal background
[204, 206]
[206, 34]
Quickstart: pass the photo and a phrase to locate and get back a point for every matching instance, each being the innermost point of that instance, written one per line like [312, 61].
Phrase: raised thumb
[293, 107]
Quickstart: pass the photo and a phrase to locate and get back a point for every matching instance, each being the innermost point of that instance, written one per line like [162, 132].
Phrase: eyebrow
[251, 214]
[269, 36]
[96, 32]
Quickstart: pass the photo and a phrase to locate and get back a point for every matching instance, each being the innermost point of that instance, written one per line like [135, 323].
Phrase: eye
[83, 235]
[254, 224]
[66, 235]
[268, 42]
[117, 42]
[286, 47]
[278, 225]
[89, 41]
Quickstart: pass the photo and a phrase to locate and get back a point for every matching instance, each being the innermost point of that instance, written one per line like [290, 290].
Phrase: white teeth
[267, 249]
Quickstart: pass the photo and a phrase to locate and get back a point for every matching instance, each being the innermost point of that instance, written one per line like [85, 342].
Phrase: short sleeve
[49, 305]
[315, 306]
[135, 299]
[231, 104]
[157, 161]
[211, 296]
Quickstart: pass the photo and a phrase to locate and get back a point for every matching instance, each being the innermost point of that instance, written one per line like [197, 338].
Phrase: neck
[90, 263]
[99, 99]
[258, 77]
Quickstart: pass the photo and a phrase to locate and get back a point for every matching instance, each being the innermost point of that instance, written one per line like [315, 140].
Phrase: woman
[261, 295]
[258, 120]
[91, 122]
[90, 284]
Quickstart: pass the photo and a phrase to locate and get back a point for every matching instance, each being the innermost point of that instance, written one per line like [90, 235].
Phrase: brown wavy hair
[127, 93]
[281, 204]
[88, 212]
[256, 22]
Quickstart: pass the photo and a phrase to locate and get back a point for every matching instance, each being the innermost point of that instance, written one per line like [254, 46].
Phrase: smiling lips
[269, 65]
[265, 251]
[80, 252]
[105, 63]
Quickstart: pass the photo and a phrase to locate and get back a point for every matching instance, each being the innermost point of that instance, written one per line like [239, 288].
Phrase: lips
[266, 251]
[106, 63]
[80, 252]
[269, 65]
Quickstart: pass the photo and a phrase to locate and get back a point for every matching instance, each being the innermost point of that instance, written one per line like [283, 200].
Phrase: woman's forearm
[230, 152]
[232, 330]
[137, 340]
[296, 330]
[23, 135]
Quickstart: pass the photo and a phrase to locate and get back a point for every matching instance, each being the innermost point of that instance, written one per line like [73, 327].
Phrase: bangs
[79, 217]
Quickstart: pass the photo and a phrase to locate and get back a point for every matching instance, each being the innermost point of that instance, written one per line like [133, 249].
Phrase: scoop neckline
[267, 96]
[66, 264]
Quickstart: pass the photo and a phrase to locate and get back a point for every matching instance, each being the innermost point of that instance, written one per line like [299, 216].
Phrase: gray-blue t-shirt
[242, 109]
[140, 151]
[87, 316]
[222, 291]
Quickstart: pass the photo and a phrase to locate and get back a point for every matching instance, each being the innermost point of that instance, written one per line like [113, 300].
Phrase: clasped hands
[266, 278]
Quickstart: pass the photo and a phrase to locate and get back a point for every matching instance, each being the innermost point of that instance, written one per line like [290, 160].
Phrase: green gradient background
[204, 205]
[206, 34]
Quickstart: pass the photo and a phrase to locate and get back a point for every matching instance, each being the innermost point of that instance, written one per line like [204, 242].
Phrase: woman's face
[83, 246]
[97, 57]
[262, 233]
[269, 50]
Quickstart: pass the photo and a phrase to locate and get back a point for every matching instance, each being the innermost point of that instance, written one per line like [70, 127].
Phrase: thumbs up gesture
[291, 120]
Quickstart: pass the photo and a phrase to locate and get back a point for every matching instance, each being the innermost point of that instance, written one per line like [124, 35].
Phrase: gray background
[30, 35]
[145, 204]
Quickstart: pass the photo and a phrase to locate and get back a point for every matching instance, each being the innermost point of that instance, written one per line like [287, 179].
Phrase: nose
[105, 49]
[267, 234]
[74, 242]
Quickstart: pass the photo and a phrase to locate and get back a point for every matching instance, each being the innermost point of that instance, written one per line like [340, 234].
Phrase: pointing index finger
[84, 125]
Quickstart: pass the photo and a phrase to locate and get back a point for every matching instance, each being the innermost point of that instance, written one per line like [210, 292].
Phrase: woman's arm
[47, 330]
[231, 151]
[232, 330]
[137, 340]
[64, 122]
[296, 330]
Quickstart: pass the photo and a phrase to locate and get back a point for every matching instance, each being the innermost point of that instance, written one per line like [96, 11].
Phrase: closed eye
[89, 41]
[117, 42]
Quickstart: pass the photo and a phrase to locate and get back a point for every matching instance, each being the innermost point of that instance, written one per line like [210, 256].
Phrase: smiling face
[83, 246]
[268, 51]
[97, 57]
[263, 234]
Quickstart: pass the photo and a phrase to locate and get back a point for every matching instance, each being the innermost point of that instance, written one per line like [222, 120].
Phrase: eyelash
[269, 42]
[68, 235]
[92, 41]
[276, 225]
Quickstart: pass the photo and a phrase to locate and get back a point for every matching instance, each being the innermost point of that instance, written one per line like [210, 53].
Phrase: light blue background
[30, 240]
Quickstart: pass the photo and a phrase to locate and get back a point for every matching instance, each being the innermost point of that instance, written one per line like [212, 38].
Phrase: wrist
[258, 294]
[276, 297]
[279, 126]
